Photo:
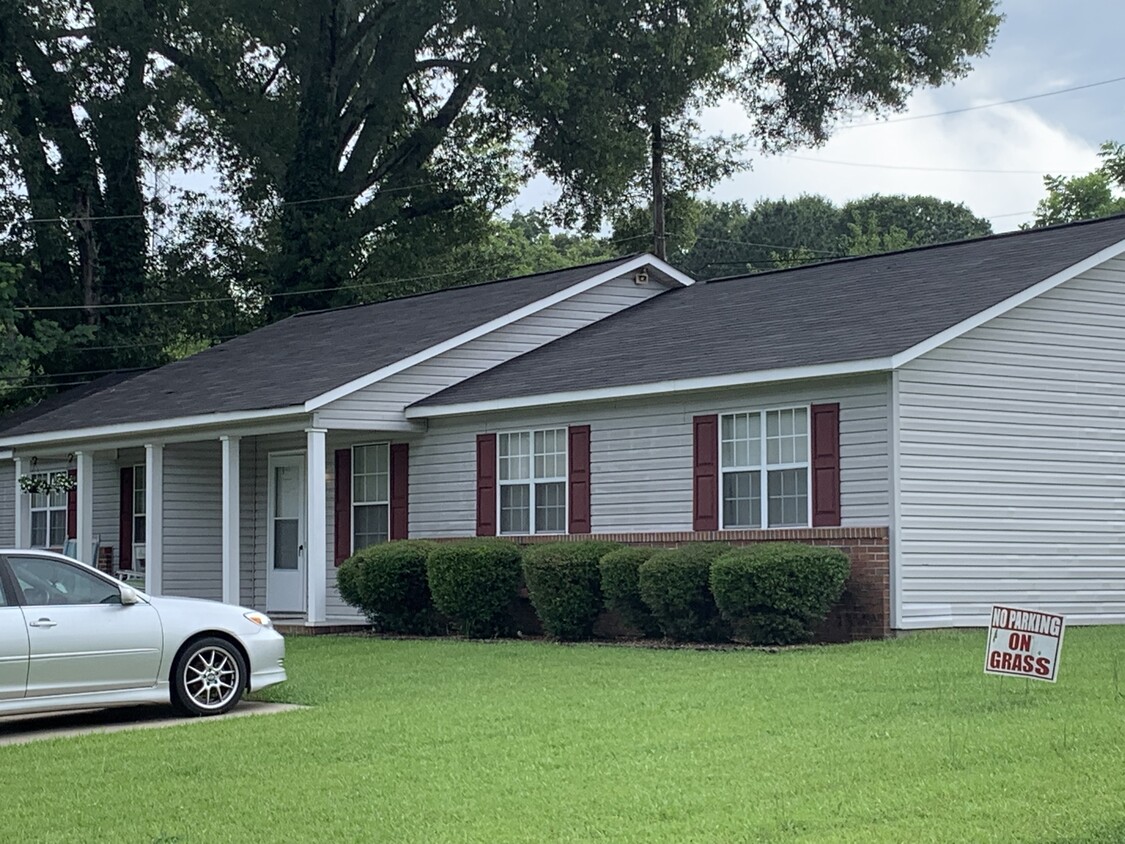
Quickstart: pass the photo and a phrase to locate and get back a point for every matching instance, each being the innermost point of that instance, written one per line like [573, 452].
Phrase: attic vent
[640, 278]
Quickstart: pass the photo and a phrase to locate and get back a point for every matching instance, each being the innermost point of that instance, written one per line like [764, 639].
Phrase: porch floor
[298, 625]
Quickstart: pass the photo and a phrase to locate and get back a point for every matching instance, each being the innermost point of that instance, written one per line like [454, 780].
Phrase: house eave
[156, 429]
[681, 385]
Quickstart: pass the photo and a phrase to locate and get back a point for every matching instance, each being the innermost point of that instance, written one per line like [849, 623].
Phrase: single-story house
[950, 415]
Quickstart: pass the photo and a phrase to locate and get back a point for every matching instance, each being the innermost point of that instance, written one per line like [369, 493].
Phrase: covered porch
[254, 515]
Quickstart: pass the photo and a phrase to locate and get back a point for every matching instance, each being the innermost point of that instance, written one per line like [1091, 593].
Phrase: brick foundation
[864, 609]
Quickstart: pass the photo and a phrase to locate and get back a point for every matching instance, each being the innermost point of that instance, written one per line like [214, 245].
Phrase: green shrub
[621, 591]
[388, 583]
[564, 585]
[675, 585]
[779, 592]
[473, 583]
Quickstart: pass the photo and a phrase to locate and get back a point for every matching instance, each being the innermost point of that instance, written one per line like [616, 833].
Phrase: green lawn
[902, 741]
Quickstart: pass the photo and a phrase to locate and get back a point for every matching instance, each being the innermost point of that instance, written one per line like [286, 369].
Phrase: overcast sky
[1042, 45]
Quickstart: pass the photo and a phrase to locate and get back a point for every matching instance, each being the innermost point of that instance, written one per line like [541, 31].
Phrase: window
[371, 495]
[532, 476]
[47, 582]
[48, 517]
[764, 462]
[139, 521]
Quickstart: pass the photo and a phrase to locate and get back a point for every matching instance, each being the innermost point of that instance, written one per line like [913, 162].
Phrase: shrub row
[769, 594]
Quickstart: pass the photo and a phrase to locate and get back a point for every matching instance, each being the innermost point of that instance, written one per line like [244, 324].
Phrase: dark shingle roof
[848, 310]
[296, 359]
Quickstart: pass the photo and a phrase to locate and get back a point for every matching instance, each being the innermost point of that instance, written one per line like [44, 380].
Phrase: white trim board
[492, 325]
[124, 429]
[681, 385]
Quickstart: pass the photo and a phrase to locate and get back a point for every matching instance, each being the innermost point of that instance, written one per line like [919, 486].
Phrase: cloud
[1011, 137]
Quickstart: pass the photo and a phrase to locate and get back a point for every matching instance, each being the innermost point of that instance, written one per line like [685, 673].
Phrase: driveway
[21, 729]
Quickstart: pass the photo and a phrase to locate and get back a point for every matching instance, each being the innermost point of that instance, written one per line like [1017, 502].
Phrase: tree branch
[445, 64]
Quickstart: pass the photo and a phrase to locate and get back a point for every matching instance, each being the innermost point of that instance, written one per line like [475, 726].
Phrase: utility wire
[1025, 99]
[876, 166]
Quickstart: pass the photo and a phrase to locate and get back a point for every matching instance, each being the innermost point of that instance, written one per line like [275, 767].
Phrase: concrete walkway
[22, 729]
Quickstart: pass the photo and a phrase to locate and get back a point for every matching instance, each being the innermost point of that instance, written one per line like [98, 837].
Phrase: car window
[4, 602]
[48, 582]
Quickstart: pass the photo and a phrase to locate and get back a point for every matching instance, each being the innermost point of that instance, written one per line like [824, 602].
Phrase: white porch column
[22, 526]
[316, 543]
[154, 518]
[232, 534]
[84, 530]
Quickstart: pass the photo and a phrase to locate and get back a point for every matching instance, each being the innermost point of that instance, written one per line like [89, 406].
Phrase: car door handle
[44, 622]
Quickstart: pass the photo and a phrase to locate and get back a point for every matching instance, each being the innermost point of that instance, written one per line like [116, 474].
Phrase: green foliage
[388, 583]
[776, 593]
[675, 585]
[473, 583]
[564, 585]
[1077, 198]
[621, 591]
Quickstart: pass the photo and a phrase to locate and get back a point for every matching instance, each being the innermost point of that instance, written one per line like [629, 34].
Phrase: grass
[434, 741]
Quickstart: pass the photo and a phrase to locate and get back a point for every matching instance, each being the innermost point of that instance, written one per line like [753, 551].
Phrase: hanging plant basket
[47, 484]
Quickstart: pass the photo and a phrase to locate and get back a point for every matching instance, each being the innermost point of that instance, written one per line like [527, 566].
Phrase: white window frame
[531, 480]
[763, 469]
[138, 513]
[387, 445]
[49, 510]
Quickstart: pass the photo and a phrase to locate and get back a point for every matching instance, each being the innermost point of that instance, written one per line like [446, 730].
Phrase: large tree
[1086, 197]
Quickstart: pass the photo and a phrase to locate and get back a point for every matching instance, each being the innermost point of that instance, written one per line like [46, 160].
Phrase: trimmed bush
[388, 583]
[621, 591]
[777, 593]
[676, 587]
[473, 583]
[564, 585]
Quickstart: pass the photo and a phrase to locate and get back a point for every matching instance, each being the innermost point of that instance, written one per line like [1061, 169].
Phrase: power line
[1024, 99]
[285, 203]
[876, 166]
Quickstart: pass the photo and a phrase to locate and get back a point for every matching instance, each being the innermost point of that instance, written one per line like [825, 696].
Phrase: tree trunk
[659, 239]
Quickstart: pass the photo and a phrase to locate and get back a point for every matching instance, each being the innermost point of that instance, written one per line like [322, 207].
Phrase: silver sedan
[74, 638]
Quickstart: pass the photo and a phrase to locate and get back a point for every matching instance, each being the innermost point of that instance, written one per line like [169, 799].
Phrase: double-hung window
[764, 468]
[532, 477]
[48, 517]
[140, 520]
[371, 494]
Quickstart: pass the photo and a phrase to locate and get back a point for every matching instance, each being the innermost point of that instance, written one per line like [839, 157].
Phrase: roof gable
[857, 314]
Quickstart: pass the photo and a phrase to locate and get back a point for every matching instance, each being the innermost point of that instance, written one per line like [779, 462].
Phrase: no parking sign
[1024, 643]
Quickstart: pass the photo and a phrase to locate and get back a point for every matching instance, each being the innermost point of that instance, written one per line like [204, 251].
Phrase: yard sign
[1024, 643]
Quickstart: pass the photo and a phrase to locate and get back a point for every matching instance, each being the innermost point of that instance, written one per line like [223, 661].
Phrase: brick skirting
[864, 611]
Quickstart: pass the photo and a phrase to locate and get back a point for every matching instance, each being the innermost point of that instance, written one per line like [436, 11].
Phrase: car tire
[208, 678]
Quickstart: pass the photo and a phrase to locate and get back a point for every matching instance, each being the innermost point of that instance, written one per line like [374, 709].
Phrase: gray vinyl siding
[1012, 462]
[107, 502]
[7, 503]
[385, 400]
[193, 520]
[251, 578]
[641, 455]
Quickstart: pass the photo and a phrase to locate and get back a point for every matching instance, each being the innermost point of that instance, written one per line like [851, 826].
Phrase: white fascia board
[488, 327]
[1001, 308]
[682, 385]
[160, 426]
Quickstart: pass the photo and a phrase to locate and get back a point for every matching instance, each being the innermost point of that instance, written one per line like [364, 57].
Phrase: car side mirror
[129, 596]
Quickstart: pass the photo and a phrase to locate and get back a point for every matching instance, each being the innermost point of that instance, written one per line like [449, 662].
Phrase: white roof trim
[158, 426]
[681, 385]
[1001, 308]
[488, 327]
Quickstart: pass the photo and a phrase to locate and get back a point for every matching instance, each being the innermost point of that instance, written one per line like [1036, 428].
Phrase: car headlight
[259, 618]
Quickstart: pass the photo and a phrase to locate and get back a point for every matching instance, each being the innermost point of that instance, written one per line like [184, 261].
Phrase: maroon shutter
[578, 488]
[705, 444]
[343, 504]
[125, 519]
[825, 465]
[486, 485]
[72, 509]
[400, 491]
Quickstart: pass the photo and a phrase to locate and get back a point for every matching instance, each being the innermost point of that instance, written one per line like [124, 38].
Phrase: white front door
[286, 586]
